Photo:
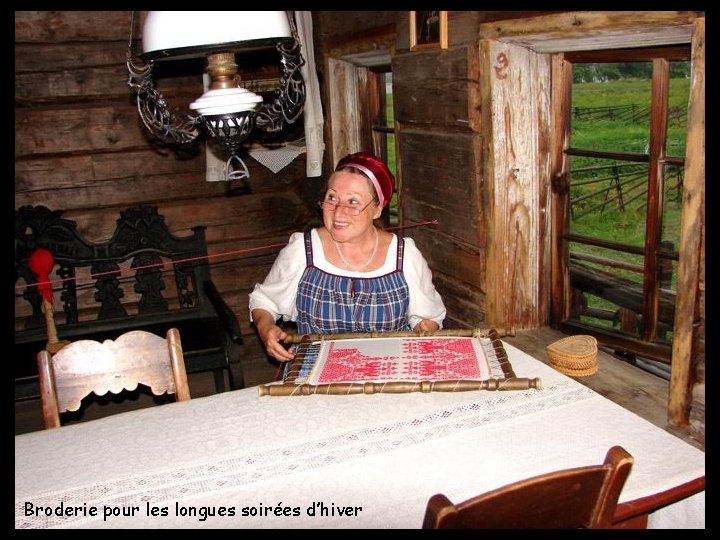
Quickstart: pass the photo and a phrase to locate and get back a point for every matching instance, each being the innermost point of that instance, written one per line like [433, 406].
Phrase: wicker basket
[575, 355]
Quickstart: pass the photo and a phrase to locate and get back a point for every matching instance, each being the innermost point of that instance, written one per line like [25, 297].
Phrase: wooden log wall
[439, 149]
[80, 147]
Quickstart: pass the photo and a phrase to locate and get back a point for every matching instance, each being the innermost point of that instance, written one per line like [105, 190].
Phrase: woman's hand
[271, 335]
[272, 338]
[426, 325]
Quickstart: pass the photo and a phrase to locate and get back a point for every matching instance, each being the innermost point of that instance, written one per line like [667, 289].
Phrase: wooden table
[363, 461]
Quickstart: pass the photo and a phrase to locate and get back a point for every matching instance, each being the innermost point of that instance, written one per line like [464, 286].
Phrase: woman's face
[349, 191]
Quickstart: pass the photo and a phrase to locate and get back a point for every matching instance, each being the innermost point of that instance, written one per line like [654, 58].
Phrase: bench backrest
[125, 276]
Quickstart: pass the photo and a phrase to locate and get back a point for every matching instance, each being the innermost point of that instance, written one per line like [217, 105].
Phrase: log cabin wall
[81, 148]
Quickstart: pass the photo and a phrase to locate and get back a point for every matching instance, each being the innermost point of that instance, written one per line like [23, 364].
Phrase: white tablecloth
[369, 461]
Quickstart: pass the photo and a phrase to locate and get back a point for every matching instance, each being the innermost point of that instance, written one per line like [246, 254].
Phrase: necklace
[364, 266]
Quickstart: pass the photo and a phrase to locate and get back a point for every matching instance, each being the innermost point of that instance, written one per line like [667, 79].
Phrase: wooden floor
[641, 392]
[635, 389]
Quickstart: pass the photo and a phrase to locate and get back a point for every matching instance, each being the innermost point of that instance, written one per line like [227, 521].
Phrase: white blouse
[277, 294]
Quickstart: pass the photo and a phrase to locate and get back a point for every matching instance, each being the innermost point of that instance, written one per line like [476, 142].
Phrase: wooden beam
[620, 291]
[344, 112]
[692, 224]
[656, 168]
[517, 177]
[560, 188]
[593, 30]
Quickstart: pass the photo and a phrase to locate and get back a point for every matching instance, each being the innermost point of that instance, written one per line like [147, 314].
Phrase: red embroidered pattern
[420, 359]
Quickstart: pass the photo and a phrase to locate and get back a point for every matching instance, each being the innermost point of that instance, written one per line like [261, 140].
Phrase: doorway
[627, 118]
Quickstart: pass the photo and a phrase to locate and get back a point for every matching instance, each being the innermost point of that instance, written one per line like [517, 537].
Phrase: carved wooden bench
[143, 278]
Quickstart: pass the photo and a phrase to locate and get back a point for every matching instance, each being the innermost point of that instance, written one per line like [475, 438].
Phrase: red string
[278, 371]
[191, 259]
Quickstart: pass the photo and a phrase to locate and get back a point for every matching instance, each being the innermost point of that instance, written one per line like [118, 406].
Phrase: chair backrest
[88, 366]
[583, 497]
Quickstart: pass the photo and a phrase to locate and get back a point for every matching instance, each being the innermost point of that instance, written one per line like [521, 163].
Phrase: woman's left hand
[426, 325]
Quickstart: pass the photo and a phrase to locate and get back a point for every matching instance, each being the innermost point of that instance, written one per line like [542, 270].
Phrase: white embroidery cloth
[277, 158]
[385, 453]
[402, 359]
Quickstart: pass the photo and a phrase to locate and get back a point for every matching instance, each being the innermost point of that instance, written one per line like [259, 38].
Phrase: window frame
[656, 159]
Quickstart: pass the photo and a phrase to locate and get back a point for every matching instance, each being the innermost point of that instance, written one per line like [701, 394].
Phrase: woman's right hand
[272, 336]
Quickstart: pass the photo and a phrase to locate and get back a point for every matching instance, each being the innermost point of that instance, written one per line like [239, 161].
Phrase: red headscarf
[376, 170]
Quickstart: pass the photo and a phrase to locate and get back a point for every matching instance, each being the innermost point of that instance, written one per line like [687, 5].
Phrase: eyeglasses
[352, 210]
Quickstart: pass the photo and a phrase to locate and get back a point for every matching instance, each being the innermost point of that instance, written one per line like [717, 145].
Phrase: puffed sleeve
[425, 301]
[278, 292]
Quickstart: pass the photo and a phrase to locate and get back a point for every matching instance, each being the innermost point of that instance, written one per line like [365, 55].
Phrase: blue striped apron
[332, 304]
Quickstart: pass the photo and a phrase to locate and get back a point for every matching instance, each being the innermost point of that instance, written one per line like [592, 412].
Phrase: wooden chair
[87, 366]
[583, 497]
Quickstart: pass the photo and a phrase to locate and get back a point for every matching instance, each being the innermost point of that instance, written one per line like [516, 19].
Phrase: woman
[349, 275]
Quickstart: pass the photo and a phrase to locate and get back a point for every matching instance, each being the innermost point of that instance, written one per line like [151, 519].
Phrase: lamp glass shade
[195, 33]
[226, 101]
